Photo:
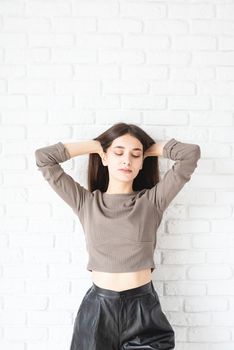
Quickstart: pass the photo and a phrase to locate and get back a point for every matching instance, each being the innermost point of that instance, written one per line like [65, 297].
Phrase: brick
[191, 11]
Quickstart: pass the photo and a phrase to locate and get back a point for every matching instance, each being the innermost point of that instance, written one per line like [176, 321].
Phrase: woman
[120, 213]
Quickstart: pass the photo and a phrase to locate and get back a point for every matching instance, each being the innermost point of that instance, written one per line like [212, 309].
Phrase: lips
[126, 170]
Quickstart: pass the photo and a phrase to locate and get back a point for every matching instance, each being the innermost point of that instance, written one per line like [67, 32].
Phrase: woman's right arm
[83, 147]
[47, 161]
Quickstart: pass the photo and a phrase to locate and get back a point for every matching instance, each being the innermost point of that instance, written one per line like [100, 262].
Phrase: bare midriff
[121, 280]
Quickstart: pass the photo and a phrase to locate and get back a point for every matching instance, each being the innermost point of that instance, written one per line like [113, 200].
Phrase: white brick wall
[68, 70]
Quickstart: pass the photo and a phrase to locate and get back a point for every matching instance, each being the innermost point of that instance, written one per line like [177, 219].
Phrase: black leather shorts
[122, 320]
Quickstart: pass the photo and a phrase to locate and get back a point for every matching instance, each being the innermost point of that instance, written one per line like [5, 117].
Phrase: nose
[126, 160]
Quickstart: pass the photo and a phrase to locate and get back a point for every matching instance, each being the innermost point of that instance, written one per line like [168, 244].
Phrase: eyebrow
[134, 149]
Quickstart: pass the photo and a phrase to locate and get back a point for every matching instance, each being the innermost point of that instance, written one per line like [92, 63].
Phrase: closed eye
[120, 154]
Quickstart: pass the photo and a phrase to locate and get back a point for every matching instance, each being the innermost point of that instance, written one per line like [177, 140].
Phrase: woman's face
[125, 151]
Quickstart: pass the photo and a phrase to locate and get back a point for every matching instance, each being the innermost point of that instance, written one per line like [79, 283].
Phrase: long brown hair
[98, 176]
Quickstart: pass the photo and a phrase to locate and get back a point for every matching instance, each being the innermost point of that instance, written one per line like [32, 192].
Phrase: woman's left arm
[186, 156]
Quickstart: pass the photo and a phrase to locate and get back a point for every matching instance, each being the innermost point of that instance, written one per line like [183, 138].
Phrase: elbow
[194, 157]
[188, 166]
[38, 157]
[194, 153]
[197, 152]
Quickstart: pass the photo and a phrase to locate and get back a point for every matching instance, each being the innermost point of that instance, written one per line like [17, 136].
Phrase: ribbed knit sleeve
[47, 161]
[186, 156]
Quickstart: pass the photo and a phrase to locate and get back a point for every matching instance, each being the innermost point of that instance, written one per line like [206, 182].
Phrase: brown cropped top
[120, 229]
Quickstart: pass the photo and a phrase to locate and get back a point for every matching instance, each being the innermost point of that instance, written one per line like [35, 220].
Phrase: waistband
[144, 289]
